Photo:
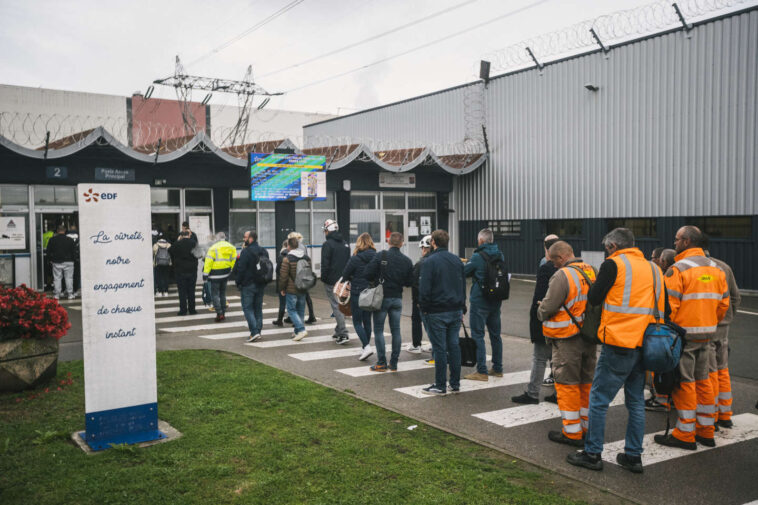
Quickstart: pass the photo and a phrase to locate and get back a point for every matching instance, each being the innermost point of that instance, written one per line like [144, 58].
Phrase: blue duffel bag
[662, 344]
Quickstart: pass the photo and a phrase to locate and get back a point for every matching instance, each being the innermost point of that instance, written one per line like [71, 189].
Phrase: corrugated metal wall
[671, 131]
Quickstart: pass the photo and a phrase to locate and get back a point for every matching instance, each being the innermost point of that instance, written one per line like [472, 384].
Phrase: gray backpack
[371, 299]
[305, 279]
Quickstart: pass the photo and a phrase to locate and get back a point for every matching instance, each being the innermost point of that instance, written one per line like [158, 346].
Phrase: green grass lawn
[252, 434]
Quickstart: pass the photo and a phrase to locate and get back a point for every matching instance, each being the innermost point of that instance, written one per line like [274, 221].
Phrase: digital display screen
[283, 177]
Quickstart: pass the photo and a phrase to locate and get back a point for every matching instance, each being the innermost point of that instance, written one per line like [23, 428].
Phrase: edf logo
[91, 196]
[108, 196]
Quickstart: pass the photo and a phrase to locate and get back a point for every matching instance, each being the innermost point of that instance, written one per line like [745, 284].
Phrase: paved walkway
[483, 411]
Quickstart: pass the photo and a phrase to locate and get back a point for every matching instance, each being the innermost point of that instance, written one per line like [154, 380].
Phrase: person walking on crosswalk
[574, 358]
[335, 253]
[286, 282]
[354, 273]
[626, 288]
[219, 261]
[251, 272]
[442, 297]
[699, 297]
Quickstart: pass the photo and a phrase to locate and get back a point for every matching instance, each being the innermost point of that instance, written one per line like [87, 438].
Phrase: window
[240, 199]
[267, 230]
[317, 233]
[507, 228]
[564, 227]
[393, 201]
[14, 195]
[641, 227]
[239, 223]
[55, 195]
[422, 201]
[725, 226]
[329, 203]
[303, 226]
[362, 202]
[164, 197]
[197, 197]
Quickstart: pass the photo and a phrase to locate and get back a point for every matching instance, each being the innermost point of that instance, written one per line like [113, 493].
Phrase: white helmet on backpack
[331, 225]
[426, 242]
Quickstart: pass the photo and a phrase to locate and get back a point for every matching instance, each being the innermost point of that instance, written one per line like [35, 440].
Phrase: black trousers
[416, 326]
[186, 286]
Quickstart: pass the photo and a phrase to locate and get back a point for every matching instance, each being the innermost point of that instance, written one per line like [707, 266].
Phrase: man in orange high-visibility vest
[699, 298]
[562, 313]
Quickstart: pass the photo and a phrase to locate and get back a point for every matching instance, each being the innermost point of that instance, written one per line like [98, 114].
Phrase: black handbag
[468, 348]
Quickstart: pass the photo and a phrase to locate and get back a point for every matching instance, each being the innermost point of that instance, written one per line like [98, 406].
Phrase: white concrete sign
[118, 314]
[13, 232]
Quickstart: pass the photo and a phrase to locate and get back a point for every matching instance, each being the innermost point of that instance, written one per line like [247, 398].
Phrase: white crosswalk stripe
[273, 331]
[268, 344]
[527, 414]
[402, 366]
[335, 353]
[745, 428]
[207, 315]
[508, 379]
[168, 301]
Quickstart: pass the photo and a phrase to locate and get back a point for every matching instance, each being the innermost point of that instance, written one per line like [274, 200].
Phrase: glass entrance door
[395, 221]
[47, 224]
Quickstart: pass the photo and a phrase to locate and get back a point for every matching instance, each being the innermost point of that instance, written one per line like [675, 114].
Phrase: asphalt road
[724, 475]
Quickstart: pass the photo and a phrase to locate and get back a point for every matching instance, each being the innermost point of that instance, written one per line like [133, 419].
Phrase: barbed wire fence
[608, 30]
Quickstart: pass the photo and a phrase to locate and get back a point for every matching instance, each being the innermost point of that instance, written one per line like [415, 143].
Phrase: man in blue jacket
[484, 312]
[250, 283]
[442, 298]
[395, 271]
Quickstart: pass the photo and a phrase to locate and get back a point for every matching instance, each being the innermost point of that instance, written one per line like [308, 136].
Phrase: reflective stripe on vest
[624, 308]
[562, 324]
[699, 329]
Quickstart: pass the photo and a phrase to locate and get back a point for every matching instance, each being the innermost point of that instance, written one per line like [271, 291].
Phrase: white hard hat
[426, 241]
[331, 225]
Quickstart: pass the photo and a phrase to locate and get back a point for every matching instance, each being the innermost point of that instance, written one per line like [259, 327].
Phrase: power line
[248, 31]
[423, 46]
[372, 38]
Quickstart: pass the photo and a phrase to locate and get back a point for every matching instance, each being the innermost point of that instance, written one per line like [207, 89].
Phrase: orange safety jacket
[560, 325]
[698, 293]
[629, 304]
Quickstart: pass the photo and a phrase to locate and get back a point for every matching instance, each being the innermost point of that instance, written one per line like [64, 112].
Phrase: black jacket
[398, 272]
[355, 270]
[61, 248]
[416, 276]
[544, 272]
[334, 256]
[442, 287]
[181, 256]
[247, 264]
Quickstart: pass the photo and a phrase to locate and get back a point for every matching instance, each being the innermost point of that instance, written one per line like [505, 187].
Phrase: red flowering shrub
[25, 313]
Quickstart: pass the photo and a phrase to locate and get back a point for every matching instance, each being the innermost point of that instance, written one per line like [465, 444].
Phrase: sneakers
[378, 368]
[192, 312]
[586, 460]
[561, 438]
[725, 423]
[181, 313]
[288, 320]
[277, 322]
[367, 351]
[426, 348]
[253, 338]
[430, 361]
[311, 320]
[70, 297]
[553, 398]
[219, 318]
[525, 399]
[708, 442]
[434, 390]
[455, 390]
[631, 463]
[413, 349]
[492, 373]
[549, 381]
[300, 336]
[652, 405]
[671, 441]
[476, 376]
[342, 339]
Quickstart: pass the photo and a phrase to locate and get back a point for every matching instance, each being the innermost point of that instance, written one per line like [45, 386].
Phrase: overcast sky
[119, 47]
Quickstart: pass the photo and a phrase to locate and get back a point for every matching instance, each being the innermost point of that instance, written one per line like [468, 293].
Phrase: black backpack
[264, 272]
[496, 286]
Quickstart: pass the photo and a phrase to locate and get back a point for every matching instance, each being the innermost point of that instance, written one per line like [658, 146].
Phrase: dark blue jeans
[443, 329]
[251, 298]
[617, 367]
[361, 321]
[218, 293]
[489, 316]
[392, 307]
[296, 311]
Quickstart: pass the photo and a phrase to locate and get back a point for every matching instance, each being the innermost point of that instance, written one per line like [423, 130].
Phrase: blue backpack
[662, 343]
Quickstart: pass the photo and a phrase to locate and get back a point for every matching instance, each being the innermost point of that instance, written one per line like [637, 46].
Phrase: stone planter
[26, 363]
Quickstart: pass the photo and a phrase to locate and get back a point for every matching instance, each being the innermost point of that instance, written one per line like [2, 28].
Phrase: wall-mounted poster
[12, 232]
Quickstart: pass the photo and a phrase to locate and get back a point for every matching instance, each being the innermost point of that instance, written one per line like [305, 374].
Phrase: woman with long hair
[354, 272]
